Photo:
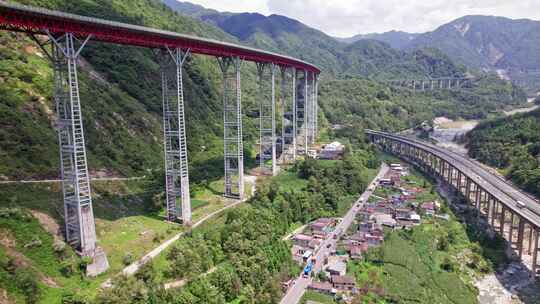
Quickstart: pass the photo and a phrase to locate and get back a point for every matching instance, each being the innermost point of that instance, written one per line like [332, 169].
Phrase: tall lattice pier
[232, 127]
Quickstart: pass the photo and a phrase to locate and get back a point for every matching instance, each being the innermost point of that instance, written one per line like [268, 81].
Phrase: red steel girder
[39, 21]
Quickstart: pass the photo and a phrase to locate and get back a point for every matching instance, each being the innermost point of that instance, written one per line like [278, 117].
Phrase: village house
[322, 287]
[332, 150]
[404, 224]
[429, 208]
[356, 251]
[323, 225]
[363, 215]
[338, 268]
[374, 240]
[402, 213]
[384, 219]
[358, 237]
[343, 283]
[367, 226]
[314, 243]
[302, 239]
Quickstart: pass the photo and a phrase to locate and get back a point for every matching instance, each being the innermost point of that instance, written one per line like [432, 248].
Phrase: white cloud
[349, 17]
[236, 6]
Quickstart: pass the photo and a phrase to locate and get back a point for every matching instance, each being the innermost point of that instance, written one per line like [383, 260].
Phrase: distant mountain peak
[396, 39]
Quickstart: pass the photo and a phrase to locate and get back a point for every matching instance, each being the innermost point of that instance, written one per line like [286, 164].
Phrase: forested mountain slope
[366, 57]
[396, 39]
[366, 104]
[511, 144]
[121, 105]
[121, 95]
[487, 41]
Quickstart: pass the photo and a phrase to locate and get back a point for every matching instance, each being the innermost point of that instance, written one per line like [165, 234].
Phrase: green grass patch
[317, 297]
[289, 180]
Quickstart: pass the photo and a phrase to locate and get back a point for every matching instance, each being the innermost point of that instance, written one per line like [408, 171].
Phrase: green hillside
[121, 106]
[511, 144]
[363, 103]
[365, 57]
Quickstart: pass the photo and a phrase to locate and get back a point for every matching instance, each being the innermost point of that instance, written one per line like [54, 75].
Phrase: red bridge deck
[15, 17]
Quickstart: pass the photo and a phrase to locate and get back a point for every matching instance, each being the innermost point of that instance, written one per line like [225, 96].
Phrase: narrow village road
[294, 294]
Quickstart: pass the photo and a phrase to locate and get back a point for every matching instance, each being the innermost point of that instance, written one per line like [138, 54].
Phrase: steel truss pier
[315, 111]
[306, 110]
[174, 133]
[288, 105]
[267, 118]
[301, 119]
[78, 213]
[232, 127]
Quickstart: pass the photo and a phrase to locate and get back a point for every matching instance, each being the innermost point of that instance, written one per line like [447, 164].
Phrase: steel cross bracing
[301, 94]
[232, 127]
[78, 213]
[267, 118]
[288, 140]
[312, 105]
[315, 105]
[174, 132]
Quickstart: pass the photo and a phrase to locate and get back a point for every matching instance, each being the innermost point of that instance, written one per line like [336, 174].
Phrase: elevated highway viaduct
[510, 212]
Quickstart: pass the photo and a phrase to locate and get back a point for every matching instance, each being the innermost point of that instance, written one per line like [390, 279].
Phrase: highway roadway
[496, 186]
[295, 292]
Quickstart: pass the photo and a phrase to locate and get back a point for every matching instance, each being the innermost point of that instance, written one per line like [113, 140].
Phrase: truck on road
[307, 269]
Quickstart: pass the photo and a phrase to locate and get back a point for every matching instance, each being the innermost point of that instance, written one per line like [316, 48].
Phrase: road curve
[504, 192]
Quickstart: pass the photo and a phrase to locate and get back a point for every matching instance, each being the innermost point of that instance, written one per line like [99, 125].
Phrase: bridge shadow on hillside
[511, 272]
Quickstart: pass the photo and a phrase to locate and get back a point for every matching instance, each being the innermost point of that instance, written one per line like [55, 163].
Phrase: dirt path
[180, 283]
[134, 267]
[297, 230]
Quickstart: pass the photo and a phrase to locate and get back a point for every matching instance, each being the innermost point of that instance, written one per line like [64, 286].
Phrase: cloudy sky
[345, 18]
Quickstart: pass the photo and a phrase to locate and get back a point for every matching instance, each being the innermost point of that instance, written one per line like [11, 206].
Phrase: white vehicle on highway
[520, 204]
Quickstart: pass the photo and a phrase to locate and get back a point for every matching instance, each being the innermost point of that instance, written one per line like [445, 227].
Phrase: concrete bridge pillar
[459, 182]
[477, 197]
[511, 230]
[468, 189]
[535, 266]
[502, 220]
[521, 232]
[491, 209]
